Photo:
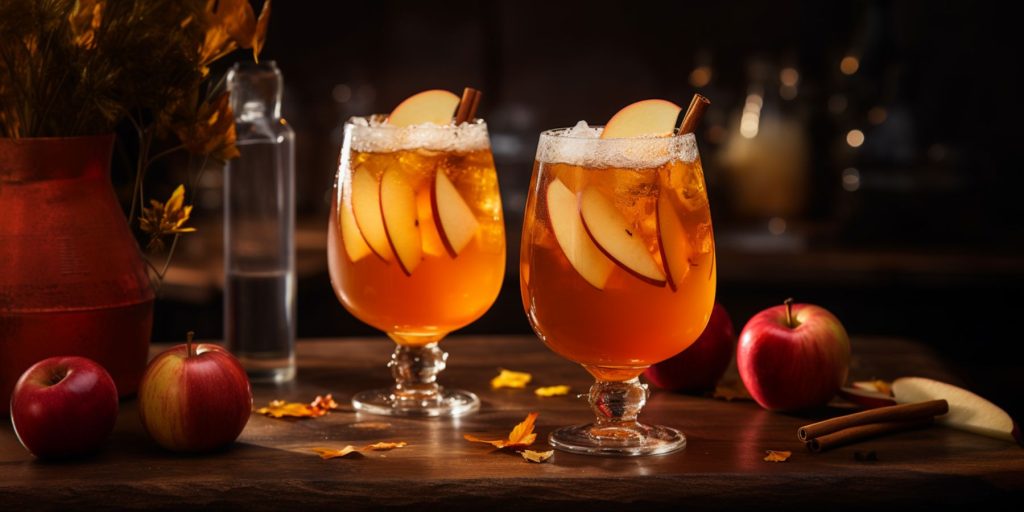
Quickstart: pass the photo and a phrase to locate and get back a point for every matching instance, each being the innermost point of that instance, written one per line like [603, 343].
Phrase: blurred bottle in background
[259, 228]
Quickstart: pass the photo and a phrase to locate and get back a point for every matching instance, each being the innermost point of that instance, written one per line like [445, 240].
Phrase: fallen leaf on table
[879, 385]
[511, 379]
[732, 390]
[552, 391]
[777, 456]
[521, 436]
[320, 406]
[537, 457]
[332, 453]
[384, 446]
[371, 425]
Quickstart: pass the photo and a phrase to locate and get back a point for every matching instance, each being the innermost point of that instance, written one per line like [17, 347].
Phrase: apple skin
[64, 407]
[787, 368]
[699, 367]
[196, 402]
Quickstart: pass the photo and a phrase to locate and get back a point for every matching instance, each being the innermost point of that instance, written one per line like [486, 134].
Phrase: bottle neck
[256, 91]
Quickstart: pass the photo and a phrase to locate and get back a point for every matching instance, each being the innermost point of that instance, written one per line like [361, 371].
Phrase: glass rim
[563, 134]
[476, 121]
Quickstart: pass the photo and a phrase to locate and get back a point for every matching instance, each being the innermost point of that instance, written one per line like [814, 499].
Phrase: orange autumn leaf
[881, 386]
[777, 456]
[537, 457]
[260, 36]
[521, 436]
[320, 406]
[85, 20]
[213, 131]
[549, 391]
[332, 453]
[732, 390]
[510, 379]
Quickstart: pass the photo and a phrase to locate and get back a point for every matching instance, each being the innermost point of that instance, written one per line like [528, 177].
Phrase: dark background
[916, 233]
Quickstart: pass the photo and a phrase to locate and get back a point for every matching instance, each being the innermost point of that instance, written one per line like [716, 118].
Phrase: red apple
[699, 367]
[194, 398]
[64, 407]
[793, 356]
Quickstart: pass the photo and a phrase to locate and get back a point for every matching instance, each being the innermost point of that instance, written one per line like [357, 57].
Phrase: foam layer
[373, 135]
[581, 145]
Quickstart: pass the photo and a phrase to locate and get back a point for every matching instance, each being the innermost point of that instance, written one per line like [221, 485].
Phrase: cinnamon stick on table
[892, 413]
[853, 434]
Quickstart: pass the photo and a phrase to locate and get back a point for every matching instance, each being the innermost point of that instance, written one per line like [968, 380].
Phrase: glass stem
[415, 369]
[616, 405]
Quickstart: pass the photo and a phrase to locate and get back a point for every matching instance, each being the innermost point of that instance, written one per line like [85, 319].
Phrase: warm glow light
[789, 77]
[855, 138]
[851, 179]
[751, 117]
[777, 225]
[849, 65]
[877, 115]
[700, 76]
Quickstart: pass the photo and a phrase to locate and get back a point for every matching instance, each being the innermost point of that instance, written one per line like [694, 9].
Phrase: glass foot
[447, 402]
[637, 439]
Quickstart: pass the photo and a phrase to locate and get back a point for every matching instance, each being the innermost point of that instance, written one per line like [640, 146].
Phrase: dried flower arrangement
[81, 67]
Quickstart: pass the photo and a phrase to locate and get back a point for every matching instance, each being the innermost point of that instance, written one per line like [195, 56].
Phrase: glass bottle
[259, 228]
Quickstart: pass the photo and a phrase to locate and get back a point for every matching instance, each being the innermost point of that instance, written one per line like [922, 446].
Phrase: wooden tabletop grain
[272, 466]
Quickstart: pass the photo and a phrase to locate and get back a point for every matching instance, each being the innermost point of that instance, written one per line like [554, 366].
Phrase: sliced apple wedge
[610, 231]
[454, 218]
[432, 244]
[647, 118]
[366, 212]
[566, 223]
[967, 411]
[675, 248]
[401, 219]
[434, 106]
[351, 238]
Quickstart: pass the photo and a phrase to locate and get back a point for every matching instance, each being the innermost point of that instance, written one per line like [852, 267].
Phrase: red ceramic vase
[72, 278]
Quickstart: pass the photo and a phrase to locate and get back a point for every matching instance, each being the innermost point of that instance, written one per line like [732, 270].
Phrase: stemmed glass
[617, 271]
[416, 248]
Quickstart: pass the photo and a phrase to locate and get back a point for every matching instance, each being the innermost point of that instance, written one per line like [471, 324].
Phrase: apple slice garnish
[672, 242]
[866, 398]
[401, 219]
[355, 245]
[366, 212]
[967, 411]
[432, 244]
[611, 234]
[647, 118]
[583, 255]
[454, 218]
[434, 106]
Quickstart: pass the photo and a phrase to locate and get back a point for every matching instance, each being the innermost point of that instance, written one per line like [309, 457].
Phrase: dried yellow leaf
[552, 391]
[732, 390]
[384, 446]
[521, 436]
[331, 453]
[511, 379]
[161, 219]
[777, 456]
[260, 36]
[537, 457]
[320, 406]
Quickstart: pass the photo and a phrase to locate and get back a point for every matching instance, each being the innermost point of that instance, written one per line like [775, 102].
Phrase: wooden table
[272, 467]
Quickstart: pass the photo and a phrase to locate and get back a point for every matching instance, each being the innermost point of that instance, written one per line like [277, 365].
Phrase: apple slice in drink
[583, 255]
[967, 411]
[454, 218]
[401, 219]
[355, 245]
[432, 244]
[366, 212]
[435, 106]
[647, 118]
[675, 249]
[612, 235]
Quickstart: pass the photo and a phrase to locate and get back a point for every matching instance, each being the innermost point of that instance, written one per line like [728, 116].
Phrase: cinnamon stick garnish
[853, 434]
[698, 105]
[892, 413]
[467, 105]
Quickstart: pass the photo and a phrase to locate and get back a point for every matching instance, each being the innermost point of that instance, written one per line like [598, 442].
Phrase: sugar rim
[557, 145]
[370, 134]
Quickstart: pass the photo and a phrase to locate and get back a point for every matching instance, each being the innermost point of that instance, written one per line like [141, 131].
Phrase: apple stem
[789, 312]
[188, 344]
